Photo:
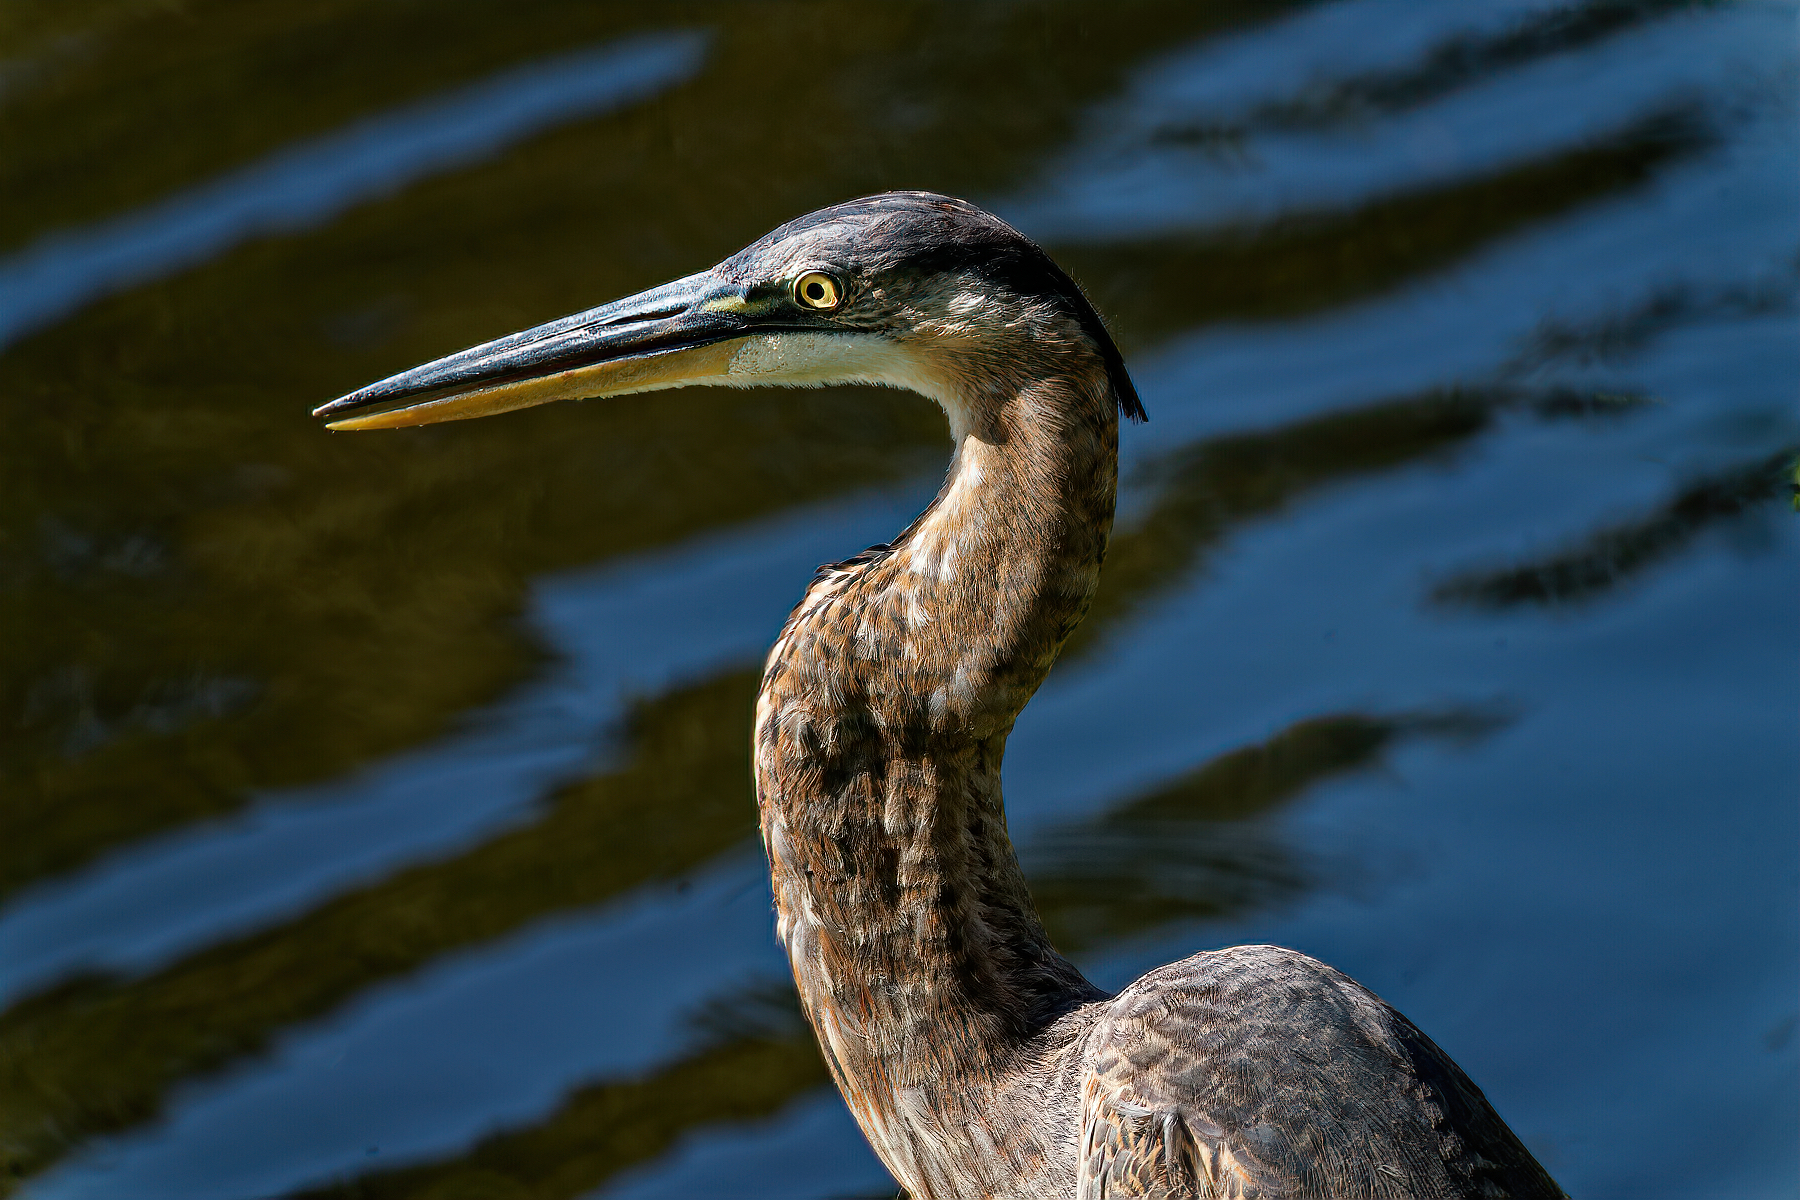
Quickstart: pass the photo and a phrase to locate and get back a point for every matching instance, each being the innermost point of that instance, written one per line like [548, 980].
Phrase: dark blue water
[1572, 860]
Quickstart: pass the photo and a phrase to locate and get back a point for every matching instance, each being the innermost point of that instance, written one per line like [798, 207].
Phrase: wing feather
[1256, 1072]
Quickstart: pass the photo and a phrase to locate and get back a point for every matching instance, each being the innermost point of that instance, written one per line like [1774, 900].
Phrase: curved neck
[880, 731]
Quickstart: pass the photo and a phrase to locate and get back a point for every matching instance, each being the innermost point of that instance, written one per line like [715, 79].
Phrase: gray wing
[1257, 1072]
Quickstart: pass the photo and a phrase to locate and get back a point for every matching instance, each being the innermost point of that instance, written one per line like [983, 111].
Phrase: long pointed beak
[680, 333]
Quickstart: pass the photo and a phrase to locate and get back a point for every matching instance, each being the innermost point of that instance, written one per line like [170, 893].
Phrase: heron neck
[880, 733]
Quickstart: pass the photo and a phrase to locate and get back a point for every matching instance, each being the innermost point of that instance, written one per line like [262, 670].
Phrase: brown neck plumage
[880, 729]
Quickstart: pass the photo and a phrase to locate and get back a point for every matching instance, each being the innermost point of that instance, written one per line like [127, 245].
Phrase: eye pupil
[814, 291]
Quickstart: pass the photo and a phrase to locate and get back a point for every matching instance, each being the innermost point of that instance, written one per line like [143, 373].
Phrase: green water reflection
[1190, 848]
[184, 542]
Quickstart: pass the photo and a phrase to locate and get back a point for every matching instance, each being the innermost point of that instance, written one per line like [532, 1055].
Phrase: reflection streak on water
[313, 182]
[1124, 179]
[813, 1148]
[530, 1008]
[715, 602]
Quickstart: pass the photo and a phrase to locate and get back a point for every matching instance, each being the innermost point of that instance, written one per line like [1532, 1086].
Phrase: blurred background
[377, 818]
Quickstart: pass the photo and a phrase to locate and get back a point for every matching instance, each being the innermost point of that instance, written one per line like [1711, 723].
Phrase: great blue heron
[979, 1061]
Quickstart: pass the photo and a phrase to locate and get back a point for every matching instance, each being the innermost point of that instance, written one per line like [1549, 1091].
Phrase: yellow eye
[816, 289]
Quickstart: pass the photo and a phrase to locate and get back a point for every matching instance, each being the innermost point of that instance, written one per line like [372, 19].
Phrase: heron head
[907, 289]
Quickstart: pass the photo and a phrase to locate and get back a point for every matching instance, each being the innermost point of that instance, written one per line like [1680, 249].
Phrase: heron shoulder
[1256, 1070]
